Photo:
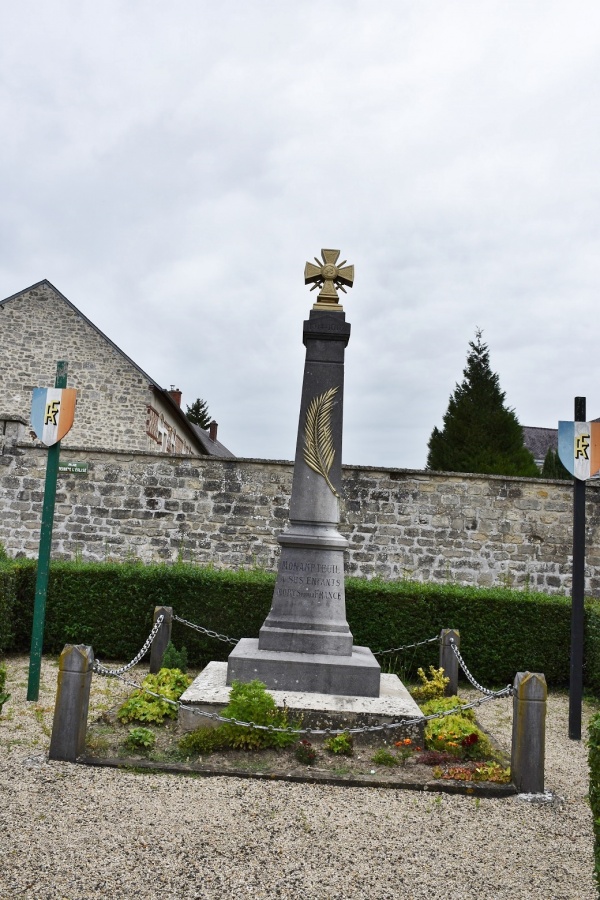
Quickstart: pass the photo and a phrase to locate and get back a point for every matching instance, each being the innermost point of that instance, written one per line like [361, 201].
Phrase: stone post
[72, 701]
[529, 732]
[448, 660]
[163, 636]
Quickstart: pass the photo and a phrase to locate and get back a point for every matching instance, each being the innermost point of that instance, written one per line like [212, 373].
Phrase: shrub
[203, 740]
[340, 744]
[443, 704]
[110, 606]
[140, 739]
[457, 735]
[406, 748]
[249, 702]
[383, 757]
[491, 771]
[305, 752]
[175, 659]
[431, 688]
[143, 707]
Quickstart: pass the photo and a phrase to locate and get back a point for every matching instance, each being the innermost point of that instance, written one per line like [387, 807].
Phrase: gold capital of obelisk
[329, 276]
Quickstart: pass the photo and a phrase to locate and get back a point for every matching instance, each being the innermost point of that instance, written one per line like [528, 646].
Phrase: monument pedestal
[209, 693]
[356, 675]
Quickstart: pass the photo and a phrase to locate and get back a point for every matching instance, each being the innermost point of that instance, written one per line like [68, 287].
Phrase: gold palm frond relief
[319, 451]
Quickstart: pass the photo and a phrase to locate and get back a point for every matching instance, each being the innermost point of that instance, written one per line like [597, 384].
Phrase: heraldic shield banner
[52, 413]
[579, 448]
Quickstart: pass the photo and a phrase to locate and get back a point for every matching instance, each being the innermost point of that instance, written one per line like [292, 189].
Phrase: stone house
[119, 406]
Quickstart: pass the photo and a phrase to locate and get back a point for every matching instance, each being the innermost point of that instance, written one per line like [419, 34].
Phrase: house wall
[399, 523]
[38, 328]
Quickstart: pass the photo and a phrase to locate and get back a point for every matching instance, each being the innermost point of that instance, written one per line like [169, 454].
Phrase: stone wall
[400, 523]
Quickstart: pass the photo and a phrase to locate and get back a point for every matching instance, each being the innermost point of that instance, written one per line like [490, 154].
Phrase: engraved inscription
[310, 581]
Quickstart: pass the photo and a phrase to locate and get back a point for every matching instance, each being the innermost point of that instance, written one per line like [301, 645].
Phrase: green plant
[175, 659]
[431, 688]
[491, 771]
[202, 741]
[96, 743]
[383, 757]
[340, 744]
[443, 704]
[140, 739]
[406, 748]
[251, 702]
[477, 409]
[458, 736]
[143, 707]
[305, 752]
[109, 605]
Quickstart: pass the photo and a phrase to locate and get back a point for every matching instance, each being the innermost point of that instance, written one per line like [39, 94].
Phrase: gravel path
[71, 832]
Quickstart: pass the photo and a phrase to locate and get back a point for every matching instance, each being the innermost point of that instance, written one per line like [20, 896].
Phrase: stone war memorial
[305, 654]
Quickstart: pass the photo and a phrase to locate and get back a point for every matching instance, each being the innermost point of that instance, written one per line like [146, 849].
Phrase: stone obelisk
[305, 643]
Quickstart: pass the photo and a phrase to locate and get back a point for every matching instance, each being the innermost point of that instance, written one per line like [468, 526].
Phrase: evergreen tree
[198, 413]
[480, 433]
[553, 468]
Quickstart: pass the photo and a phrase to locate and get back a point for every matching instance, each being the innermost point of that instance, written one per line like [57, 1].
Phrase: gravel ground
[69, 832]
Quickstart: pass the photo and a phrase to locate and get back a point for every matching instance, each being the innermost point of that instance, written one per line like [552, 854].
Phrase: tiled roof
[539, 440]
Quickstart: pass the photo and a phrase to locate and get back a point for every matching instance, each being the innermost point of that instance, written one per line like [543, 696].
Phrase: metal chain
[407, 646]
[386, 726]
[103, 670]
[508, 689]
[228, 640]
[207, 631]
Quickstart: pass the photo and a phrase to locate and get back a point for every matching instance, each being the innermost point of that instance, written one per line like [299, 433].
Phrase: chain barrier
[103, 670]
[478, 687]
[207, 631]
[360, 729]
[228, 640]
[385, 726]
[407, 646]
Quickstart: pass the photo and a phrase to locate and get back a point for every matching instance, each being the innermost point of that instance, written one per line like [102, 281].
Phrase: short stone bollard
[448, 660]
[163, 636]
[529, 732]
[72, 701]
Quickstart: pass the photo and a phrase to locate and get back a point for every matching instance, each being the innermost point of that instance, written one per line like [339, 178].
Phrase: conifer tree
[480, 434]
[553, 467]
[198, 413]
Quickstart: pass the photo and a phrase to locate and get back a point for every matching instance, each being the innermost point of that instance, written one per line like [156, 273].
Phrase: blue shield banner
[52, 413]
[579, 448]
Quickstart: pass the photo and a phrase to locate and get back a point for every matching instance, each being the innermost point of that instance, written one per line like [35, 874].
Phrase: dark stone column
[305, 643]
[308, 614]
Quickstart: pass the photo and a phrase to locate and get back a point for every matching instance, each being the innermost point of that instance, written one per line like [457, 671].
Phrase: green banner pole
[43, 566]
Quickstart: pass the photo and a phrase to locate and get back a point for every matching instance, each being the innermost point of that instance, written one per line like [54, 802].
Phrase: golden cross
[328, 276]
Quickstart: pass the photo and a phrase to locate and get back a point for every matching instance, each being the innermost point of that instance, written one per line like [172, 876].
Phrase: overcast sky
[171, 166]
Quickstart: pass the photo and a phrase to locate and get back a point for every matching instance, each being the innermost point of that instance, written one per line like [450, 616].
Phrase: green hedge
[8, 587]
[110, 606]
[594, 795]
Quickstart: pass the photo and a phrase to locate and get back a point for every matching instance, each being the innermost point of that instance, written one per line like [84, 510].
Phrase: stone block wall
[400, 523]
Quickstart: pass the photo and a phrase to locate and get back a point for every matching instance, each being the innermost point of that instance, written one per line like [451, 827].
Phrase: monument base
[209, 693]
[357, 675]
